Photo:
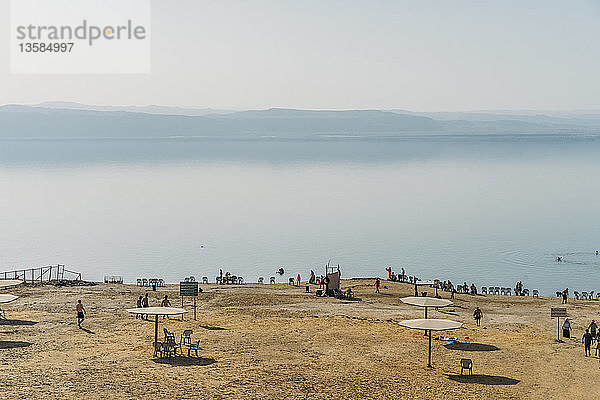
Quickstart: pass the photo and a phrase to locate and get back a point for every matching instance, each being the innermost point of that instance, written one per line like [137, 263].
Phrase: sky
[331, 54]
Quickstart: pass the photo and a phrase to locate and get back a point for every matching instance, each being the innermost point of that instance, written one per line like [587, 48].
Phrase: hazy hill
[74, 120]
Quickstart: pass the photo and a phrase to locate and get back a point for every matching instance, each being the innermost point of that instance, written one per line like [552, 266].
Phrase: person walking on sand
[566, 328]
[477, 314]
[586, 339]
[377, 284]
[80, 313]
[593, 327]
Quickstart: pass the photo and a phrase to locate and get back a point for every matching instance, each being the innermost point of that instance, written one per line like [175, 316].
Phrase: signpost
[189, 289]
[558, 312]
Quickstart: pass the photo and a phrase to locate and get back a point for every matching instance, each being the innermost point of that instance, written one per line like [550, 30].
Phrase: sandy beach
[276, 341]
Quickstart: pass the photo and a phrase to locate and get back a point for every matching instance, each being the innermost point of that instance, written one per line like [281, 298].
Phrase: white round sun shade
[157, 310]
[426, 301]
[430, 324]
[7, 298]
[5, 283]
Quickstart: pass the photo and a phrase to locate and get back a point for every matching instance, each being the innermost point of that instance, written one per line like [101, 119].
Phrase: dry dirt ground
[275, 341]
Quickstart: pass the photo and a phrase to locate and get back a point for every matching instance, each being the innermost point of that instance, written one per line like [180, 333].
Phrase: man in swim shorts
[80, 313]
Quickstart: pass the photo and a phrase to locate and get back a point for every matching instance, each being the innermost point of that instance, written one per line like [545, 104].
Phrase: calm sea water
[484, 210]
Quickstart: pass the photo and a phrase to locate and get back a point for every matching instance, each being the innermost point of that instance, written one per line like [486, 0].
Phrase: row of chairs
[113, 279]
[150, 282]
[586, 295]
[506, 291]
[262, 280]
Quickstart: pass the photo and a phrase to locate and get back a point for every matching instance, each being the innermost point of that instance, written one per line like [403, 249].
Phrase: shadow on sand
[16, 322]
[471, 347]
[9, 344]
[213, 328]
[87, 331]
[483, 379]
[185, 361]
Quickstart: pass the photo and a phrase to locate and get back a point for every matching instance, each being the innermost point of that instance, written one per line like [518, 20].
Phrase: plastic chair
[205, 280]
[508, 291]
[261, 280]
[186, 337]
[466, 364]
[576, 294]
[483, 290]
[584, 296]
[195, 347]
[536, 293]
[272, 280]
[240, 280]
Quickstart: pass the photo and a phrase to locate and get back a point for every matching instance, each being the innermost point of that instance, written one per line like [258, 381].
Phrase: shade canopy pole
[156, 328]
[429, 364]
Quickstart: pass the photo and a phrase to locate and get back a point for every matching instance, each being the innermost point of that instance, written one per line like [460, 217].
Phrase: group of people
[519, 289]
[591, 335]
[401, 277]
[144, 301]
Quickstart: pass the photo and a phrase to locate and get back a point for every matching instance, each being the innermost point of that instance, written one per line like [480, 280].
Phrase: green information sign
[188, 289]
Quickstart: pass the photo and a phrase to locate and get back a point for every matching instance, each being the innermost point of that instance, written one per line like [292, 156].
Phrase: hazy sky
[417, 55]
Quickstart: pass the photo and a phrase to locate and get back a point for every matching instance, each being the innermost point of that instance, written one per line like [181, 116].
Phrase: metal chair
[144, 282]
[502, 291]
[483, 290]
[584, 296]
[526, 292]
[240, 280]
[536, 293]
[205, 280]
[508, 291]
[272, 280]
[576, 294]
[496, 290]
[261, 280]
[591, 295]
[161, 282]
[192, 279]
[139, 282]
[466, 364]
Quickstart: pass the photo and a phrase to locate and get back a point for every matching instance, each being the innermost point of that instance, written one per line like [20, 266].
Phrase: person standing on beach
[298, 280]
[377, 283]
[477, 314]
[139, 305]
[565, 295]
[566, 328]
[145, 303]
[586, 339]
[592, 327]
[80, 313]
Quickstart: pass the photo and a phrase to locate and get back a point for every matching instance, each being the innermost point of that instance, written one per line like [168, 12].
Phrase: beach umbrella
[429, 325]
[6, 298]
[156, 311]
[8, 283]
[426, 302]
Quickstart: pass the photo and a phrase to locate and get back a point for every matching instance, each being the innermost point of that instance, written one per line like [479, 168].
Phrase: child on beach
[477, 314]
[80, 313]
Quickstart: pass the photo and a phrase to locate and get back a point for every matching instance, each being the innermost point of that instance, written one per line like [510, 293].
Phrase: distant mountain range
[60, 120]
